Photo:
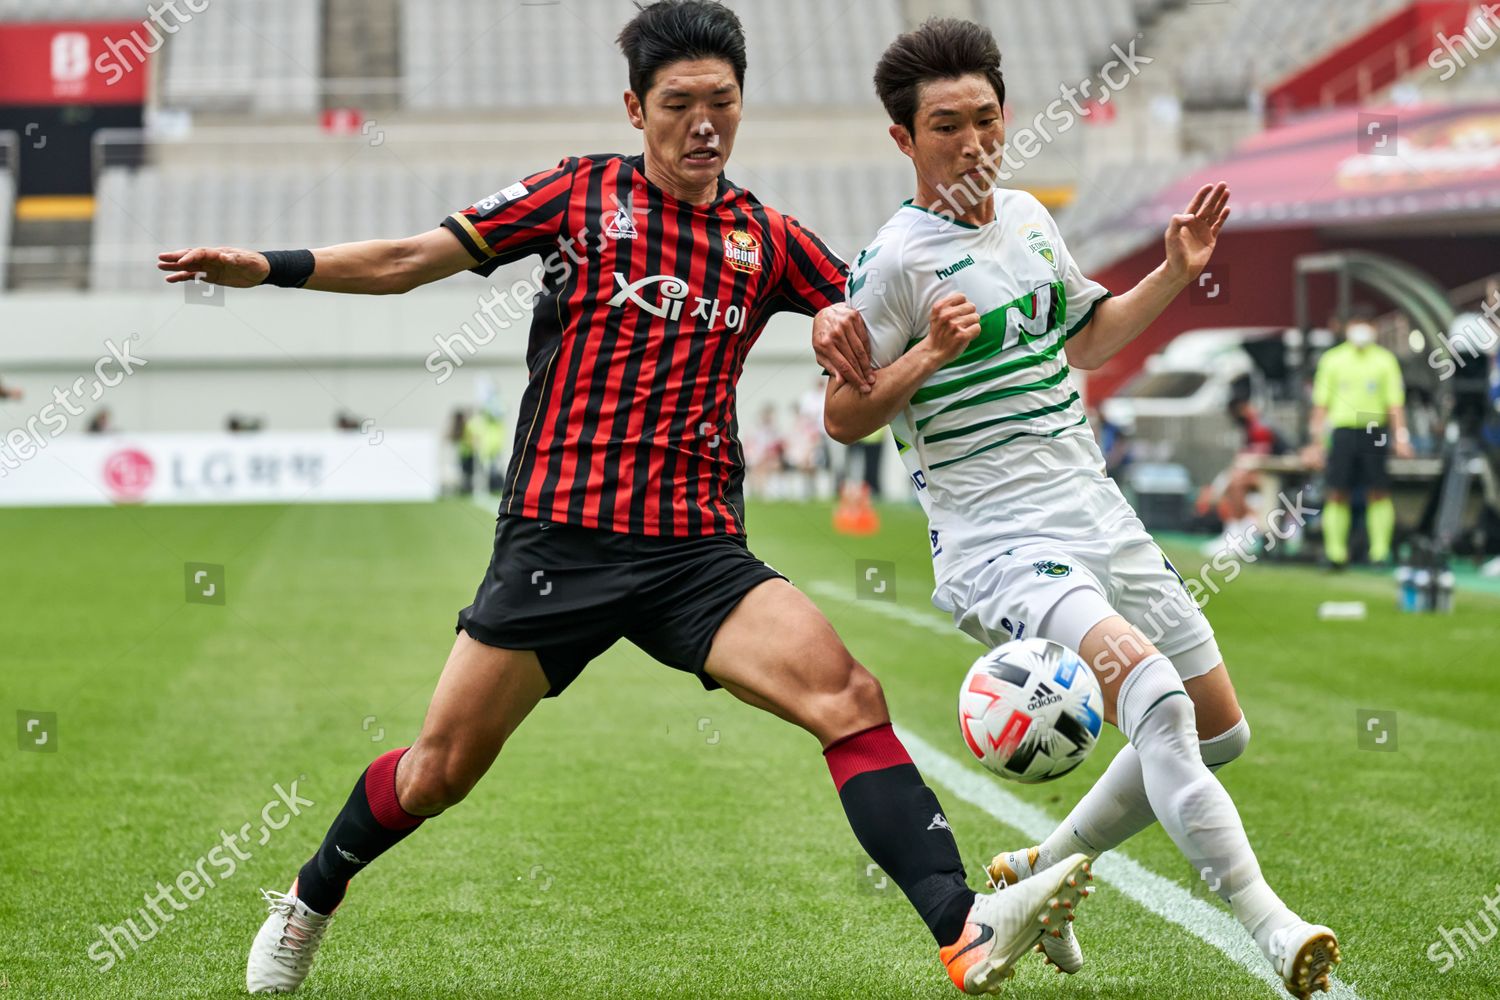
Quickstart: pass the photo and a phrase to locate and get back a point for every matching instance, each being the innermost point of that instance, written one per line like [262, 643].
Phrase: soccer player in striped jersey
[975, 311]
[622, 515]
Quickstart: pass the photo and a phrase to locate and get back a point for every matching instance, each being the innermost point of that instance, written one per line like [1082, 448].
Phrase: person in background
[1358, 418]
[1114, 429]
[7, 392]
[806, 443]
[101, 422]
[486, 432]
[765, 454]
[1235, 491]
[463, 450]
[871, 450]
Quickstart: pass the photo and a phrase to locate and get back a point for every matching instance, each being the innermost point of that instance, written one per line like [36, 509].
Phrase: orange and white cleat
[1003, 926]
[1061, 951]
[1304, 955]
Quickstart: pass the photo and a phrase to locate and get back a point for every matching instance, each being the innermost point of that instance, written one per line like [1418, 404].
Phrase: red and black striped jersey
[638, 336]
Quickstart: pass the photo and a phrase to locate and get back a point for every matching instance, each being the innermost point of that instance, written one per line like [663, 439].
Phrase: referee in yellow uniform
[1359, 396]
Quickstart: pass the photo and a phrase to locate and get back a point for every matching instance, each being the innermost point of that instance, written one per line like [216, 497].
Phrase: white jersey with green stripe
[996, 442]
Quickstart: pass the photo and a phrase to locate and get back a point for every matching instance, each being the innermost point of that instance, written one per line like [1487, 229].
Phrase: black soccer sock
[371, 823]
[899, 823]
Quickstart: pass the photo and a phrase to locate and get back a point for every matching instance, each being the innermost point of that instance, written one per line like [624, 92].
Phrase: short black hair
[669, 31]
[941, 48]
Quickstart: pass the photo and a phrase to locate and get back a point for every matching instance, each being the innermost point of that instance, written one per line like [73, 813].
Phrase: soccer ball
[1030, 710]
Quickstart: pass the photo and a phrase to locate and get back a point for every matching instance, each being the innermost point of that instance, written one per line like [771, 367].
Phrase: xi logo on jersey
[671, 298]
[1046, 567]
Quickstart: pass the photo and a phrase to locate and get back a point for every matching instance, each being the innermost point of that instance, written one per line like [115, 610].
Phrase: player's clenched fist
[955, 322]
[218, 265]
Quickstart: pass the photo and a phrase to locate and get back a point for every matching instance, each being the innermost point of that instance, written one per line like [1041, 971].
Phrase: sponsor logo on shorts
[1046, 567]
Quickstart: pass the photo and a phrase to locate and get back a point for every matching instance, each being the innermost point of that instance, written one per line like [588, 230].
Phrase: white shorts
[1059, 590]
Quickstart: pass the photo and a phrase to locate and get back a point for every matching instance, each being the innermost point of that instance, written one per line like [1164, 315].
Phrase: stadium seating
[1092, 224]
[474, 54]
[250, 56]
[1479, 77]
[1045, 44]
[71, 10]
[1249, 47]
[143, 211]
[259, 56]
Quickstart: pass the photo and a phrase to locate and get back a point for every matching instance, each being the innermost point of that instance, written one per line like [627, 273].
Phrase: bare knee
[853, 702]
[434, 776]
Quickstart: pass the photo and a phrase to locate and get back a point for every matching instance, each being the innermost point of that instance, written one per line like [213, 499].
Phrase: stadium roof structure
[1418, 183]
[1349, 166]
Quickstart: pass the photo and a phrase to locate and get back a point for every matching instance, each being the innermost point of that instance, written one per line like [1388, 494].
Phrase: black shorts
[1356, 458]
[569, 593]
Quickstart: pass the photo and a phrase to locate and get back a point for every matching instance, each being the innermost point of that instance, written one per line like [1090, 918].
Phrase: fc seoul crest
[742, 251]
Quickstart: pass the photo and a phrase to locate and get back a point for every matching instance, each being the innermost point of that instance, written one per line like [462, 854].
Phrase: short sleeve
[515, 222]
[1083, 294]
[880, 290]
[814, 276]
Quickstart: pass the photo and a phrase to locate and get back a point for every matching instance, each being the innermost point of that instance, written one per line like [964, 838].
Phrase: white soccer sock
[1116, 808]
[1157, 717]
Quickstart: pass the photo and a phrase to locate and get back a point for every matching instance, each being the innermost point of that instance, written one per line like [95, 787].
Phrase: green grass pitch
[641, 837]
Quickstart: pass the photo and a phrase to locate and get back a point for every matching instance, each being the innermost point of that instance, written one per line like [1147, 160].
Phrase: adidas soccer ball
[1030, 710]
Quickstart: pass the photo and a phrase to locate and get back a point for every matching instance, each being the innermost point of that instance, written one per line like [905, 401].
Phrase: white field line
[1162, 896]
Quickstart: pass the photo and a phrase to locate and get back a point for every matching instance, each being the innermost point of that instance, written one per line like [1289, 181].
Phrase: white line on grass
[1162, 896]
[887, 608]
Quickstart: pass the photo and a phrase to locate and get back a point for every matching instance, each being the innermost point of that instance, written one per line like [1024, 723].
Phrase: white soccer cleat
[1005, 925]
[1304, 955]
[1060, 950]
[283, 952]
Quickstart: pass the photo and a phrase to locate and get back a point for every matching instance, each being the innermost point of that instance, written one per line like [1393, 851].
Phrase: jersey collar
[912, 204]
[727, 191]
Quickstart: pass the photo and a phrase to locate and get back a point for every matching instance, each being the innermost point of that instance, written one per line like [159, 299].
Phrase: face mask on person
[1361, 334]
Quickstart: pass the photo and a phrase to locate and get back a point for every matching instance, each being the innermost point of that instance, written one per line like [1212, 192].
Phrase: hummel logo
[939, 822]
[348, 857]
[956, 266]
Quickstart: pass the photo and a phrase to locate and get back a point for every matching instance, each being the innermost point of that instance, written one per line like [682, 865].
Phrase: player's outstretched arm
[850, 414]
[371, 267]
[1190, 242]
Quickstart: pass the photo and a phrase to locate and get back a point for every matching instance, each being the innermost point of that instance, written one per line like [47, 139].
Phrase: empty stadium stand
[475, 54]
[140, 212]
[71, 10]
[256, 56]
[1229, 52]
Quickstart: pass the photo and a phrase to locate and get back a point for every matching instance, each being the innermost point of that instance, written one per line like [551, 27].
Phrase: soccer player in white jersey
[975, 311]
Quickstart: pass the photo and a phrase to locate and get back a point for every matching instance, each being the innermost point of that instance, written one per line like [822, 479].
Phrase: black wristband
[289, 268]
